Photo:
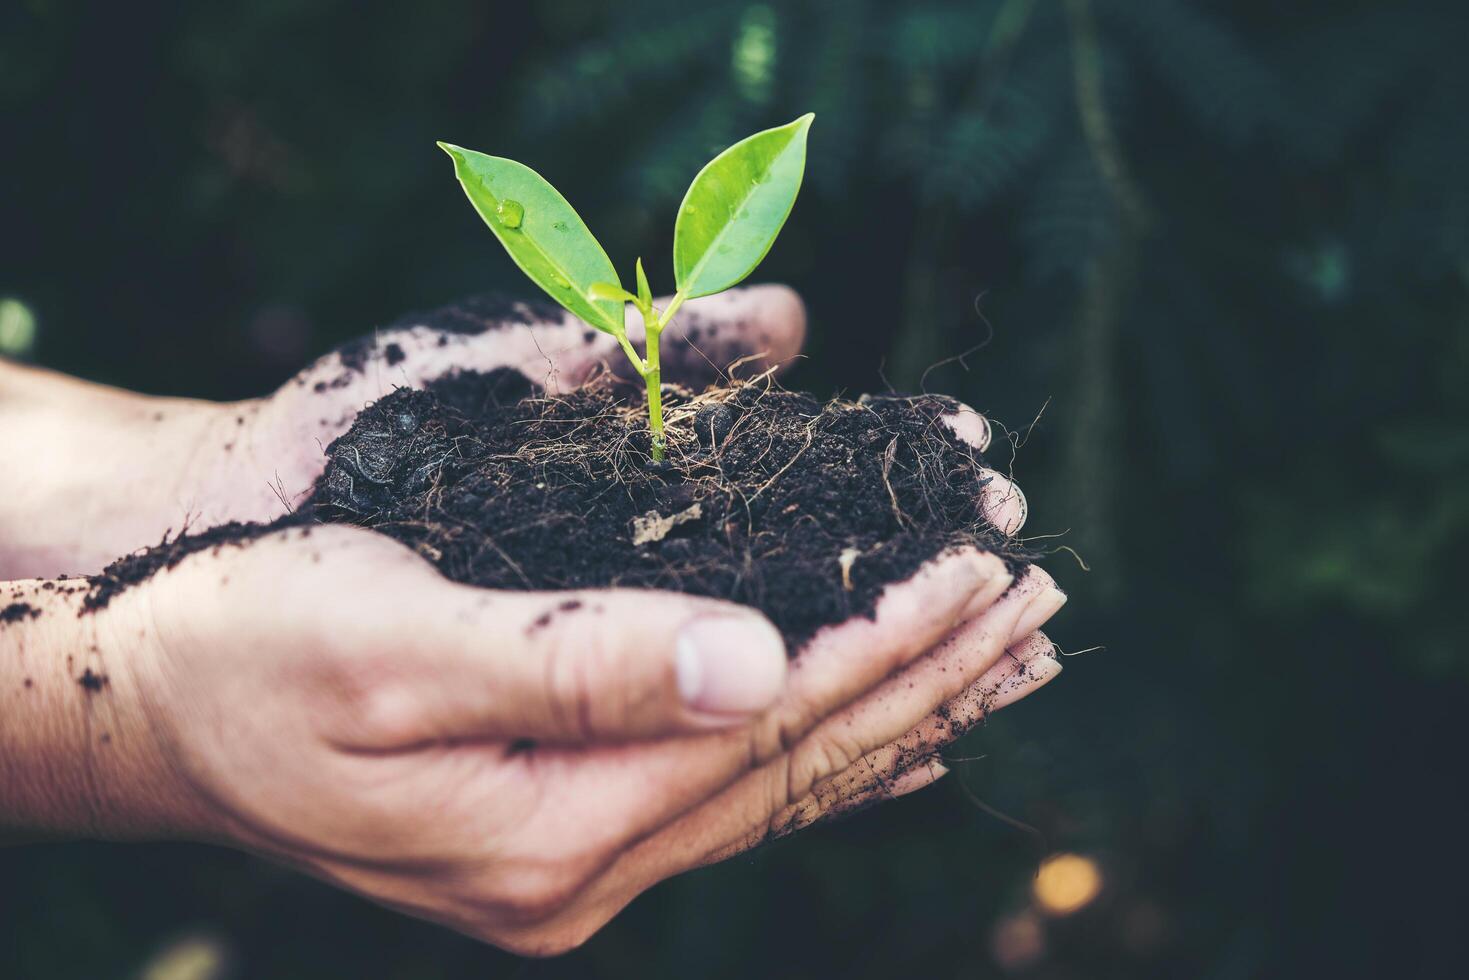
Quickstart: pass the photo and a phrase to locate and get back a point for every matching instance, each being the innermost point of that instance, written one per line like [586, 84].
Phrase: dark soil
[92, 682]
[765, 496]
[803, 509]
[17, 611]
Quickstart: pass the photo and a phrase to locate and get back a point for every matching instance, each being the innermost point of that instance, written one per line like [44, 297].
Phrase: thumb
[604, 665]
[745, 330]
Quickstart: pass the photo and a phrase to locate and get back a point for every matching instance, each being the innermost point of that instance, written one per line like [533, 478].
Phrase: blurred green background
[1224, 246]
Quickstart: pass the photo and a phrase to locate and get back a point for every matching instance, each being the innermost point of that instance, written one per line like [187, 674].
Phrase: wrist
[81, 750]
[103, 470]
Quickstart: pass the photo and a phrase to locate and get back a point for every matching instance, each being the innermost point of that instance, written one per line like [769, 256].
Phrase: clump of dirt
[92, 682]
[140, 566]
[15, 612]
[803, 509]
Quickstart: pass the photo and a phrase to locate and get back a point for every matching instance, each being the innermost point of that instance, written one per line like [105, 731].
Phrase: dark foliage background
[1224, 245]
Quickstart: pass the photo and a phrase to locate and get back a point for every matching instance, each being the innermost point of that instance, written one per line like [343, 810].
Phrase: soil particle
[92, 682]
[394, 355]
[340, 381]
[712, 423]
[355, 352]
[17, 611]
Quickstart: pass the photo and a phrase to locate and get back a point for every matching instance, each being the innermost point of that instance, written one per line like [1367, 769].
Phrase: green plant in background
[730, 216]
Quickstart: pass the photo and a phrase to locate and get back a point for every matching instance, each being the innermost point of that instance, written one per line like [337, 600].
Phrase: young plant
[728, 220]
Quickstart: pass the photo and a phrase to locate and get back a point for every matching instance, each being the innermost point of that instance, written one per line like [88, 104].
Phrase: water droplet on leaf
[559, 226]
[511, 213]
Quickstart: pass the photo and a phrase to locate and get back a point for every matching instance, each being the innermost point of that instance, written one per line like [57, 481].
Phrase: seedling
[728, 220]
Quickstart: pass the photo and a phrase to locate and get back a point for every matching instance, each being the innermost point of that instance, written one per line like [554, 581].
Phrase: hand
[112, 471]
[515, 765]
[567, 769]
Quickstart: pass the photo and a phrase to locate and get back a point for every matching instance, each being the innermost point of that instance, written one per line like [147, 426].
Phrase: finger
[853, 791]
[975, 658]
[900, 702]
[842, 663]
[836, 668]
[1004, 504]
[1037, 581]
[740, 332]
[1032, 580]
[969, 425]
[1025, 667]
[715, 830]
[552, 348]
[484, 333]
[572, 667]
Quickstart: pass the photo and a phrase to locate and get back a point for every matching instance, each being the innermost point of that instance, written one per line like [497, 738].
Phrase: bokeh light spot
[191, 957]
[1067, 883]
[17, 327]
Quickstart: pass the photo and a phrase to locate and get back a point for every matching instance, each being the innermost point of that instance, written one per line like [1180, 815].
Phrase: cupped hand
[517, 765]
[520, 765]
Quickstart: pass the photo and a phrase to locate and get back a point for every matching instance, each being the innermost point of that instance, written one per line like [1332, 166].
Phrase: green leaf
[543, 234]
[599, 291]
[645, 295]
[736, 206]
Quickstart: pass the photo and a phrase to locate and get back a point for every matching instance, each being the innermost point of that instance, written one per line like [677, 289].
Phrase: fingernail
[1004, 503]
[729, 665]
[969, 426]
[916, 778]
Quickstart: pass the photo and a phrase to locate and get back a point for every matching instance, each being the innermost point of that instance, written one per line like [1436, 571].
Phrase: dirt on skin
[15, 612]
[803, 509]
[475, 315]
[140, 566]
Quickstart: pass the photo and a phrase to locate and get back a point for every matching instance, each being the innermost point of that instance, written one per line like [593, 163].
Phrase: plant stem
[653, 324]
[653, 377]
[638, 364]
[673, 306]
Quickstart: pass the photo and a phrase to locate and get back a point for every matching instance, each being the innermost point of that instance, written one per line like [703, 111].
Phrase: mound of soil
[769, 497]
[803, 509]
